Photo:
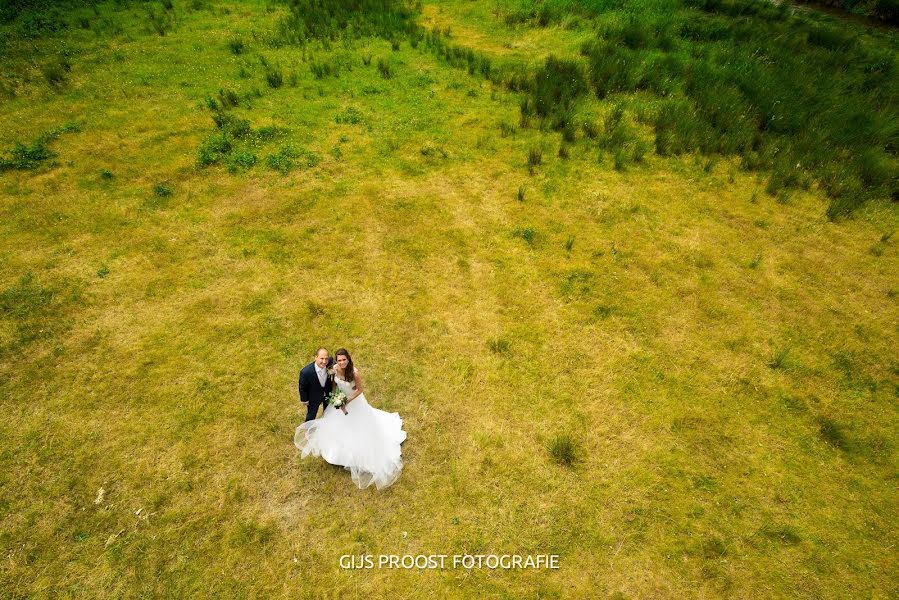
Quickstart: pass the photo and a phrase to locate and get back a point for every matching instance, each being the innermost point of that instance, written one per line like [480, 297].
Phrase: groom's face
[321, 359]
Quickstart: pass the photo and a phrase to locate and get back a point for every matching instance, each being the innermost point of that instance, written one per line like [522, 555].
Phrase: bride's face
[342, 361]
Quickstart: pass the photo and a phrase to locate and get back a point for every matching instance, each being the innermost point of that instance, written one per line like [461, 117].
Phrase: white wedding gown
[366, 441]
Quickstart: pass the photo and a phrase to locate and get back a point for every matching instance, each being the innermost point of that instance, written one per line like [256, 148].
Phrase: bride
[364, 440]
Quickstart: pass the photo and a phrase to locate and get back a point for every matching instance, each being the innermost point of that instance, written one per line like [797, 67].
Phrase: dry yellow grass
[701, 470]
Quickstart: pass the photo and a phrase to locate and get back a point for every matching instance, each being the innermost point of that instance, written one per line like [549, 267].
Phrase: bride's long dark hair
[349, 372]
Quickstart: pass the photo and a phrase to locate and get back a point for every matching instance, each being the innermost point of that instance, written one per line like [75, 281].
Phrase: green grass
[606, 340]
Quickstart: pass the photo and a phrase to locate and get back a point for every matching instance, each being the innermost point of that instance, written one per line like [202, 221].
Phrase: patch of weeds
[563, 449]
[21, 157]
[228, 98]
[241, 161]
[274, 77]
[162, 190]
[315, 309]
[430, 150]
[385, 69]
[755, 261]
[56, 72]
[528, 234]
[602, 311]
[535, 158]
[322, 69]
[832, 433]
[577, 283]
[498, 345]
[288, 158]
[237, 46]
[35, 310]
[785, 534]
[350, 116]
[780, 360]
[212, 149]
[160, 23]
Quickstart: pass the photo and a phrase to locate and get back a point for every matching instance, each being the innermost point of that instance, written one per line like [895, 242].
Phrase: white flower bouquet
[337, 399]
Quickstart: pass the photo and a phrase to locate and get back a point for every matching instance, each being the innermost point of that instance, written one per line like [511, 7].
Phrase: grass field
[678, 376]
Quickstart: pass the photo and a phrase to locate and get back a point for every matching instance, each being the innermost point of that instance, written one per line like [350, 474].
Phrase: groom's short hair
[320, 349]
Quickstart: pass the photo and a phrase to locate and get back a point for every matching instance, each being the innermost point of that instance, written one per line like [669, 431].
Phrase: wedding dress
[366, 441]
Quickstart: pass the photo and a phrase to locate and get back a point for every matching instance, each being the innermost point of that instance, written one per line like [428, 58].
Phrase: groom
[315, 384]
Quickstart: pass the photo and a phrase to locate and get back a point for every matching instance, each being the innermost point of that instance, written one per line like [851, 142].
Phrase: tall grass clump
[563, 449]
[237, 46]
[385, 69]
[310, 20]
[56, 71]
[234, 141]
[535, 158]
[743, 78]
[557, 85]
[274, 77]
[160, 22]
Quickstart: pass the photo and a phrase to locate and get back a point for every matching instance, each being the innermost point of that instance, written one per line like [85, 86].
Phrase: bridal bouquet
[337, 399]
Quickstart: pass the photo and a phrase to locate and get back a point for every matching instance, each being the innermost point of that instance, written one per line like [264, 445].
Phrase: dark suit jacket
[311, 390]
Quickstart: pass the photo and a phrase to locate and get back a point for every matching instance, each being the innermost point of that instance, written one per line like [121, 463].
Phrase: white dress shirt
[322, 374]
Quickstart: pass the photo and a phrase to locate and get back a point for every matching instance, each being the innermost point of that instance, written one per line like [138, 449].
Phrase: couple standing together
[362, 439]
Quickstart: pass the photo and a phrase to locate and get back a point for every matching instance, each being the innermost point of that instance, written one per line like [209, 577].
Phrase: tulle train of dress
[366, 442]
